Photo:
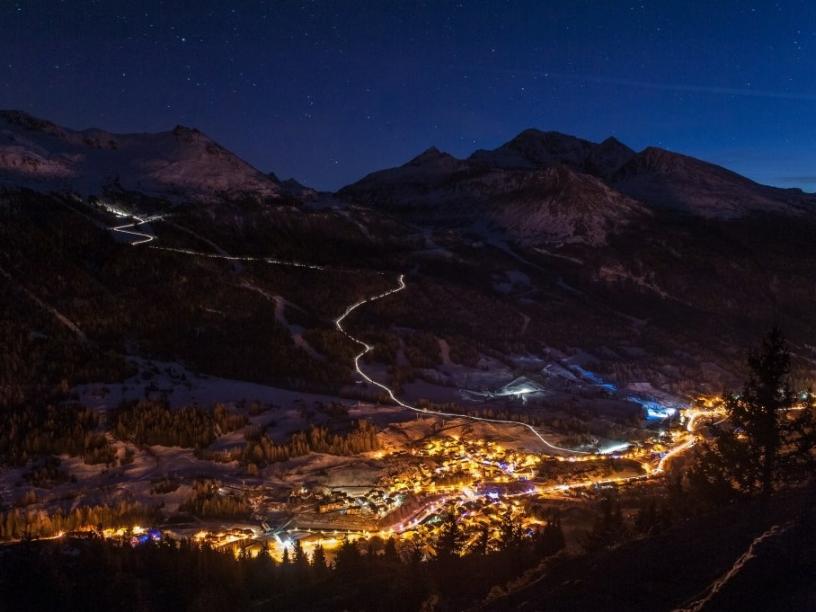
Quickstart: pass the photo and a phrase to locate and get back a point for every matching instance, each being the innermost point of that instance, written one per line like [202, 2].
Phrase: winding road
[141, 237]
[144, 238]
[390, 392]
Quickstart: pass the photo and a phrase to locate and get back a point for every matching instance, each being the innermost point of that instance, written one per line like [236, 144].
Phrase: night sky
[328, 91]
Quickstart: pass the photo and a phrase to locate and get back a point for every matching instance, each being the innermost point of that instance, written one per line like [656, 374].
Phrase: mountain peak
[27, 121]
[672, 180]
[183, 163]
[548, 136]
[183, 130]
[608, 157]
[534, 148]
[611, 141]
[430, 155]
[190, 134]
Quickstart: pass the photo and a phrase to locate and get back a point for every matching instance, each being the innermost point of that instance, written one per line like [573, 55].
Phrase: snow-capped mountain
[561, 206]
[552, 187]
[539, 187]
[180, 164]
[537, 149]
[535, 189]
[534, 149]
[666, 179]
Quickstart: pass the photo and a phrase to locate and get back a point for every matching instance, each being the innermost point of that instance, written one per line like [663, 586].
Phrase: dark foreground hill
[676, 569]
[761, 559]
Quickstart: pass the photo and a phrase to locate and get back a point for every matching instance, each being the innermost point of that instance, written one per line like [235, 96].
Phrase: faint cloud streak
[681, 87]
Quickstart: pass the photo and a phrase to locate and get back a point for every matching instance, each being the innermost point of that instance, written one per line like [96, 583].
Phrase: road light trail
[691, 428]
[735, 569]
[142, 238]
[367, 347]
[269, 260]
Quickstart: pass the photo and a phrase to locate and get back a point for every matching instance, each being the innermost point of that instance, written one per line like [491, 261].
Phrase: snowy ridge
[532, 206]
[179, 164]
[545, 187]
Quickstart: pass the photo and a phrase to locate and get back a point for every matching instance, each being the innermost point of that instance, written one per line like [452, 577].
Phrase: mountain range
[649, 268]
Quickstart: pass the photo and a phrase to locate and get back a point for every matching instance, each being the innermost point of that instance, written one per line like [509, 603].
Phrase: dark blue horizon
[327, 92]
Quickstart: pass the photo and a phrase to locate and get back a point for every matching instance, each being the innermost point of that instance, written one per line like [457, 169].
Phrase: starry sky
[329, 91]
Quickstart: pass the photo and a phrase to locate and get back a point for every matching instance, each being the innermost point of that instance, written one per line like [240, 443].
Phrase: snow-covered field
[183, 387]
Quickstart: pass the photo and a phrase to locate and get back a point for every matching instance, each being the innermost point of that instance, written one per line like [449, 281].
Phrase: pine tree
[551, 538]
[510, 531]
[608, 527]
[300, 562]
[451, 539]
[483, 543]
[390, 554]
[762, 443]
[348, 561]
[320, 567]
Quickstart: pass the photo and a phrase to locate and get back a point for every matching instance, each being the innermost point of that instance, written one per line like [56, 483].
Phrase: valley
[485, 469]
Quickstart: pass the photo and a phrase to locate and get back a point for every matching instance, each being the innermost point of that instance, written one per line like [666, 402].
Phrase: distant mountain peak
[430, 155]
[608, 157]
[612, 141]
[666, 179]
[29, 122]
[183, 163]
[534, 148]
[183, 130]
[547, 175]
[548, 136]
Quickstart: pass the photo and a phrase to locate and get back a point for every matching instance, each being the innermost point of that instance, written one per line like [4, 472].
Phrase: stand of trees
[264, 450]
[149, 422]
[208, 502]
[769, 437]
[24, 523]
[35, 431]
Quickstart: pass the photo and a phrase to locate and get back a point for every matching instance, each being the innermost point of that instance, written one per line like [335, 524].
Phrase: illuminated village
[481, 482]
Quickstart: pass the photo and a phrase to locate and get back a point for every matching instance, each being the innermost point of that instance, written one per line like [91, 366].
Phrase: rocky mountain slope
[654, 177]
[179, 164]
[679, 182]
[518, 192]
[646, 268]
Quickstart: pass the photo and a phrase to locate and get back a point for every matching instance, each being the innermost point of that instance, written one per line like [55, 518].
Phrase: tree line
[317, 439]
[33, 430]
[154, 422]
[17, 523]
[174, 575]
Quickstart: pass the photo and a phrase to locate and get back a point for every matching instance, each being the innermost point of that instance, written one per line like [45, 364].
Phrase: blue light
[596, 379]
[655, 411]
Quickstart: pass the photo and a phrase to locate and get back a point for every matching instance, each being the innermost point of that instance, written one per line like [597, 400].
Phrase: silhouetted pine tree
[608, 527]
[451, 539]
[483, 542]
[320, 569]
[762, 443]
[510, 532]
